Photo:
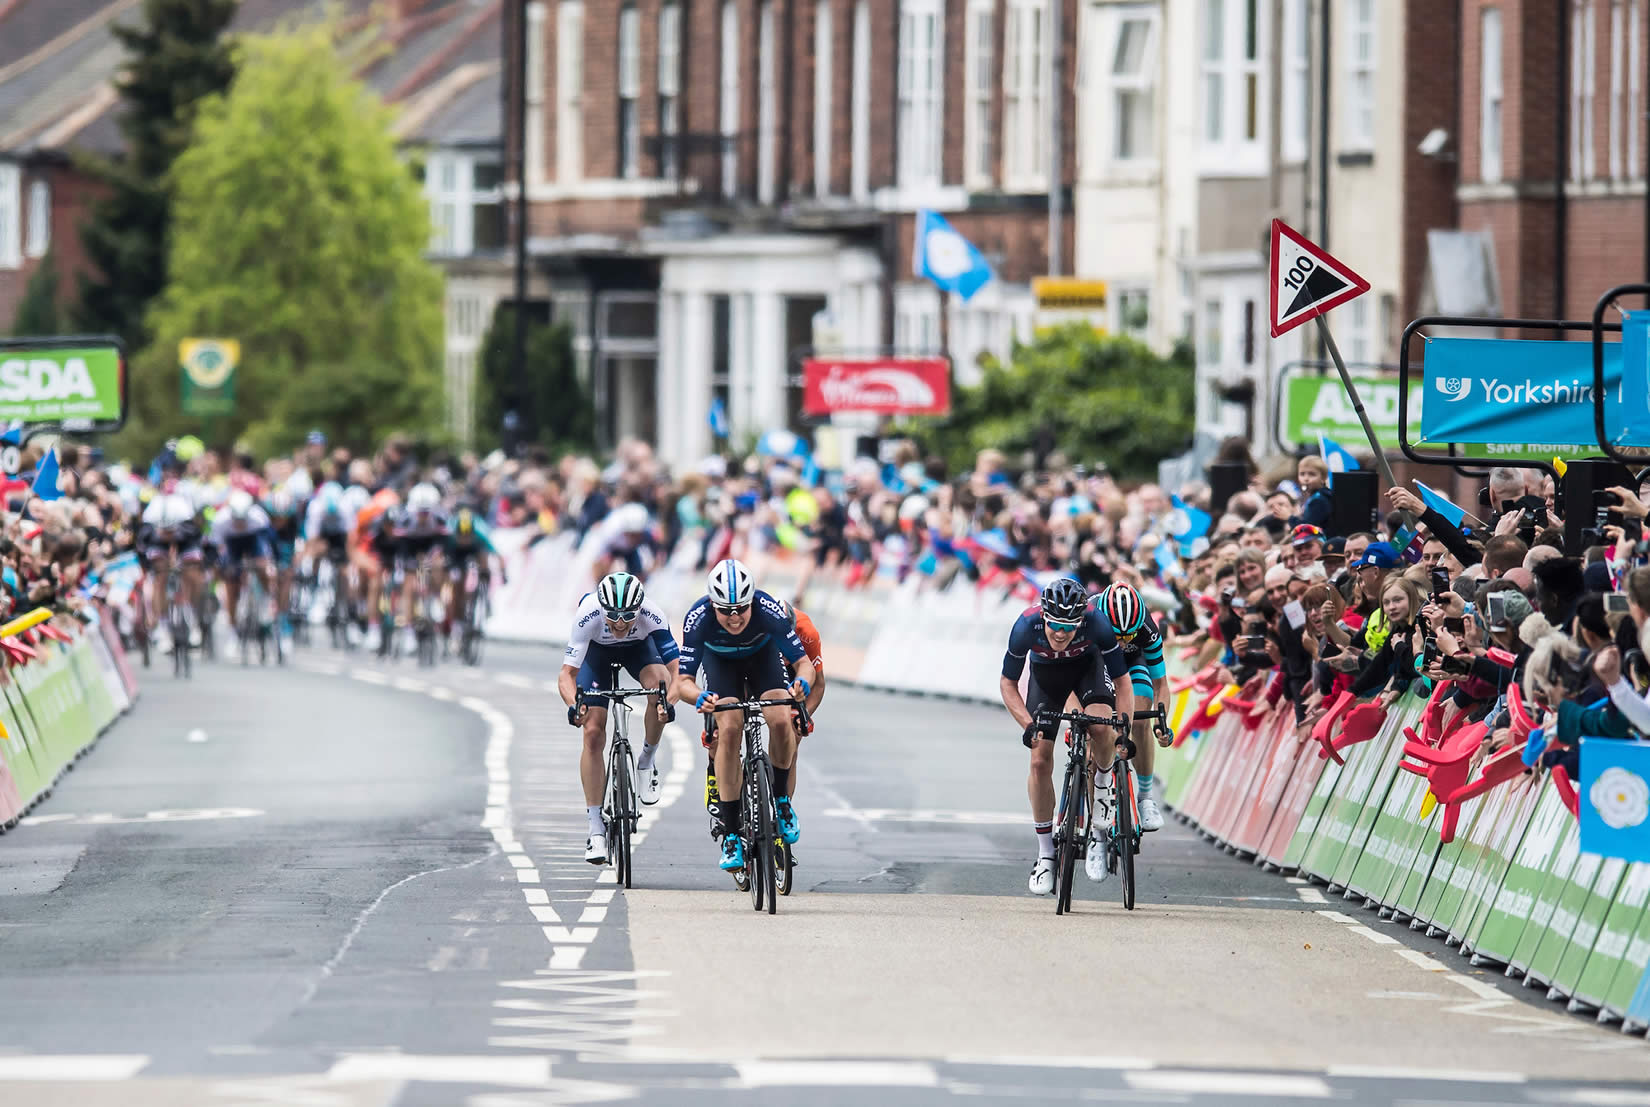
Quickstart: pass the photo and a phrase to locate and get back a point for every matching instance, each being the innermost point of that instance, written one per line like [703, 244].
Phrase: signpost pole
[1363, 416]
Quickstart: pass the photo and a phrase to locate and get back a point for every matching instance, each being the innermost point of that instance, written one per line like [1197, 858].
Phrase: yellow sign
[1068, 293]
[209, 361]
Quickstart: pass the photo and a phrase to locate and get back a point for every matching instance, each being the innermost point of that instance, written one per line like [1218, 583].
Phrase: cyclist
[282, 508]
[168, 526]
[1072, 651]
[469, 541]
[615, 625]
[422, 536]
[743, 638]
[244, 530]
[1143, 647]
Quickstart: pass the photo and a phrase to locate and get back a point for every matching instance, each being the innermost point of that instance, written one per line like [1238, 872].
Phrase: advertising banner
[77, 384]
[1615, 798]
[208, 375]
[880, 385]
[1537, 395]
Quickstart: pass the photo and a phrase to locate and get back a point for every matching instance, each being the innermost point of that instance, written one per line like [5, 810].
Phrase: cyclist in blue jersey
[743, 638]
[1137, 634]
[1073, 652]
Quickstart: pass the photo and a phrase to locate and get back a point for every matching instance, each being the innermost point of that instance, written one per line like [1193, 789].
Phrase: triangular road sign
[1305, 281]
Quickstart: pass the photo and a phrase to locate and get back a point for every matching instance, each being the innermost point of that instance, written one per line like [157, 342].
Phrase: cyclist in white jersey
[615, 625]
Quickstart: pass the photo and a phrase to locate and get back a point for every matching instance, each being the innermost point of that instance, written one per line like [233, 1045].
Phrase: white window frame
[1583, 79]
[824, 85]
[39, 238]
[1143, 83]
[979, 81]
[1360, 332]
[1026, 83]
[11, 216]
[449, 183]
[533, 94]
[728, 98]
[1358, 97]
[1297, 81]
[767, 106]
[1491, 95]
[670, 88]
[921, 93]
[570, 91]
[1618, 85]
[860, 121]
[1212, 316]
[1125, 298]
[1232, 131]
[1635, 91]
[630, 91]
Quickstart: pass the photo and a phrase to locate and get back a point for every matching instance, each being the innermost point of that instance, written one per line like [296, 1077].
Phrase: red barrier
[1566, 789]
[1287, 751]
[1251, 751]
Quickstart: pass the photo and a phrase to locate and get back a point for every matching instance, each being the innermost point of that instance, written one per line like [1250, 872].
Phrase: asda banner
[76, 384]
[1536, 395]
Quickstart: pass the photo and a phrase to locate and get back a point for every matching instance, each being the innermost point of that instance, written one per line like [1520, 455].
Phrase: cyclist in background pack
[1072, 651]
[1142, 645]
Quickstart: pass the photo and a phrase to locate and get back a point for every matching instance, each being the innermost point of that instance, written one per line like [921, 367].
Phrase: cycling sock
[728, 812]
[596, 824]
[1143, 785]
[645, 761]
[1045, 839]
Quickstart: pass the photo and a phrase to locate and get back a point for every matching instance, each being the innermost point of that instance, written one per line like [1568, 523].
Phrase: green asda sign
[77, 384]
[1314, 405]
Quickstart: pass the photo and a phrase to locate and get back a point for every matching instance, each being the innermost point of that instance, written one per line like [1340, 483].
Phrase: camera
[1457, 666]
[1615, 603]
[1440, 582]
[1603, 516]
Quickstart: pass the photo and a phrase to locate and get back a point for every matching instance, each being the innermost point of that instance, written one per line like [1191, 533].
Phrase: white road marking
[520, 862]
[1601, 1097]
[527, 876]
[545, 913]
[1229, 1083]
[370, 677]
[840, 1074]
[593, 915]
[514, 680]
[1336, 916]
[889, 815]
[110, 819]
[1295, 879]
[566, 957]
[1118, 1063]
[601, 896]
[536, 895]
[196, 735]
[1480, 988]
[523, 1072]
[1418, 958]
[1374, 935]
[577, 935]
[1463, 1076]
[1310, 895]
[70, 1066]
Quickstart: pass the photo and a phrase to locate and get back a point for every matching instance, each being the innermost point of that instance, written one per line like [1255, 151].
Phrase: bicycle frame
[758, 832]
[618, 797]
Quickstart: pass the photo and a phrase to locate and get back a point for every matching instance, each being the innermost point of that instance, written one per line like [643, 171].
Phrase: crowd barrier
[1385, 807]
[61, 685]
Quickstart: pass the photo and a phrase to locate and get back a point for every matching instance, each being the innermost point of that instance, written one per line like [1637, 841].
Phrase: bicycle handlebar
[1045, 719]
[620, 694]
[801, 707]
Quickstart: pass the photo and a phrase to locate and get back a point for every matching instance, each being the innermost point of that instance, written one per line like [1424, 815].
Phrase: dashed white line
[1374, 935]
[1463, 1076]
[1310, 895]
[1418, 958]
[1336, 916]
[524, 1072]
[196, 735]
[77, 1067]
[1229, 1083]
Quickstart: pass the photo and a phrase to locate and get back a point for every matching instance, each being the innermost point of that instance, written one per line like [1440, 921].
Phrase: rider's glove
[704, 698]
[1032, 733]
[572, 714]
[806, 688]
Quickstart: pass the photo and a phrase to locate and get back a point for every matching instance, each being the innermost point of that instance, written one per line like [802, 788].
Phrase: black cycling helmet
[1065, 600]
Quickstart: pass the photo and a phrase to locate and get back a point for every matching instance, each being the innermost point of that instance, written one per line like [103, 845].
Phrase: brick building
[712, 184]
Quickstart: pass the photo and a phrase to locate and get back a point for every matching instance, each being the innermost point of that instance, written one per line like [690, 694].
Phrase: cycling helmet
[1123, 608]
[281, 504]
[619, 594]
[423, 499]
[240, 504]
[465, 521]
[1065, 600]
[730, 584]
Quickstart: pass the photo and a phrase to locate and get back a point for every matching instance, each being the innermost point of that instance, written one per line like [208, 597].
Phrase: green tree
[1095, 399]
[298, 230]
[557, 406]
[37, 314]
[178, 55]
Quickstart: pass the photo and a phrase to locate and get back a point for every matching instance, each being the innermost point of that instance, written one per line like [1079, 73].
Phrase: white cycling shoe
[1094, 865]
[1151, 816]
[647, 784]
[595, 849]
[1042, 877]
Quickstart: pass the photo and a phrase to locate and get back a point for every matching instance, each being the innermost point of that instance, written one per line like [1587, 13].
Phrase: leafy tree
[37, 314]
[300, 232]
[1105, 399]
[178, 55]
[557, 408]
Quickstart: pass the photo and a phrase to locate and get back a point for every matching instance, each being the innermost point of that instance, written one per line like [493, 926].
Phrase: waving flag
[1442, 504]
[1336, 456]
[12, 435]
[947, 258]
[45, 478]
[718, 418]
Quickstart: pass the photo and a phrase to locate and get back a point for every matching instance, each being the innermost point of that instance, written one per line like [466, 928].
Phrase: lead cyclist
[1143, 647]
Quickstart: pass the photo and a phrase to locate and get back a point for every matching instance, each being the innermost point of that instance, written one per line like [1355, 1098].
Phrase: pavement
[350, 882]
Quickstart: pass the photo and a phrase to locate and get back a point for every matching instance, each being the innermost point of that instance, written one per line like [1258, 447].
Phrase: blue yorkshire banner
[1632, 422]
[1615, 798]
[1514, 390]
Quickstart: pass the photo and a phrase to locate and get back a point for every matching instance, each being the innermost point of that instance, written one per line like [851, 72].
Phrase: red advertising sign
[878, 385]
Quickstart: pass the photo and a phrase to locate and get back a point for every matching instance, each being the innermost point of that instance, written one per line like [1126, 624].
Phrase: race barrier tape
[56, 698]
[1388, 806]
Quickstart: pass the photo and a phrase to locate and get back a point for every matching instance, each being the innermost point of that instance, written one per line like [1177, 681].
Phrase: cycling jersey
[767, 630]
[479, 538]
[1029, 639]
[809, 634]
[249, 537]
[591, 628]
[1144, 651]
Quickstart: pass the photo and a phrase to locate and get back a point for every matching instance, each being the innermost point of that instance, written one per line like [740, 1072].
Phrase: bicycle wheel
[762, 864]
[624, 808]
[784, 863]
[1123, 834]
[1066, 844]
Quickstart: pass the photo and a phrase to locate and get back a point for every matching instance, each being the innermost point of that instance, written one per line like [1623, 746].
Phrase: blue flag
[718, 418]
[12, 435]
[1442, 504]
[1614, 791]
[1336, 456]
[947, 258]
[45, 478]
[1196, 524]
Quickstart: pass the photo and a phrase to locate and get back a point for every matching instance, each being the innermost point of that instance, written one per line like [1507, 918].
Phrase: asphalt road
[346, 883]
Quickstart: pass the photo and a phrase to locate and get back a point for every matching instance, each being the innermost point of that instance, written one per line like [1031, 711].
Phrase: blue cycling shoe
[788, 827]
[733, 853]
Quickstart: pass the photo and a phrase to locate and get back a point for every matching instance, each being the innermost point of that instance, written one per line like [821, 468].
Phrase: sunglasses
[1060, 625]
[731, 609]
[629, 617]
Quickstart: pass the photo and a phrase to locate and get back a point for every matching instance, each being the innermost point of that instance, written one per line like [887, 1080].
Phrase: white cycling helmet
[423, 498]
[240, 504]
[619, 594]
[730, 584]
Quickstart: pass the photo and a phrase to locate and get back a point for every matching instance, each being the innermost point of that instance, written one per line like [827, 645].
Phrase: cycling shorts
[756, 673]
[243, 547]
[596, 674]
[1052, 683]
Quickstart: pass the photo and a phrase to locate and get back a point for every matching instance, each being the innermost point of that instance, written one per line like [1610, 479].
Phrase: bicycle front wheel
[624, 809]
[767, 834]
[1067, 843]
[1124, 839]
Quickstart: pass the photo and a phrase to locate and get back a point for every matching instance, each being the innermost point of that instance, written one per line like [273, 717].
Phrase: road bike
[427, 613]
[768, 860]
[478, 606]
[620, 812]
[250, 624]
[1074, 819]
[177, 616]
